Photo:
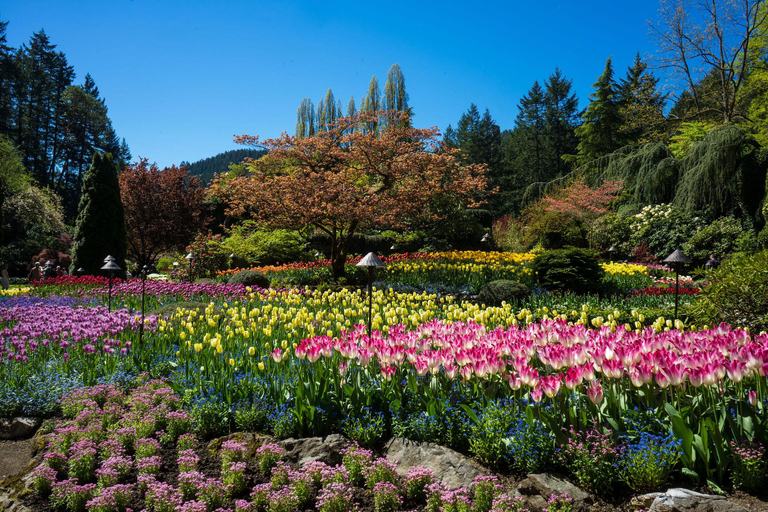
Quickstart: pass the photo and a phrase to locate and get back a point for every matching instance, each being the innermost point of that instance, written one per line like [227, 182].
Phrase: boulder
[545, 485]
[19, 428]
[307, 449]
[683, 500]
[452, 468]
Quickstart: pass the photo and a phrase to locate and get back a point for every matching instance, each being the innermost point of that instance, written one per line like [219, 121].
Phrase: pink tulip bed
[119, 451]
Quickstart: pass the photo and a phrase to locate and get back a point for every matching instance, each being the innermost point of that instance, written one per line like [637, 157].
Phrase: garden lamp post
[231, 260]
[611, 252]
[81, 271]
[370, 261]
[111, 266]
[191, 259]
[676, 259]
[486, 238]
[144, 270]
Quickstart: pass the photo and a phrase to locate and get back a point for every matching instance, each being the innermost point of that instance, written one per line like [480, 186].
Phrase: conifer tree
[560, 120]
[641, 105]
[100, 227]
[598, 133]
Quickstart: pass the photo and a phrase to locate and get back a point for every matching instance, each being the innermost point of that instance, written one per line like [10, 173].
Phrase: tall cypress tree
[598, 133]
[100, 227]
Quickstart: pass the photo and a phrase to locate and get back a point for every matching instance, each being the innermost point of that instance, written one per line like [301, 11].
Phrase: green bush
[576, 270]
[723, 237]
[737, 293]
[663, 228]
[250, 278]
[210, 257]
[254, 246]
[503, 290]
[170, 309]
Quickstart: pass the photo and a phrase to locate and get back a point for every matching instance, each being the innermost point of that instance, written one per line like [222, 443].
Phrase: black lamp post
[144, 270]
[676, 259]
[370, 261]
[611, 251]
[231, 260]
[81, 271]
[111, 266]
[486, 238]
[191, 259]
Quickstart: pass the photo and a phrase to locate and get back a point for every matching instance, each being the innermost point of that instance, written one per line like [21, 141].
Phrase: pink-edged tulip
[536, 394]
[661, 379]
[573, 377]
[595, 392]
[551, 384]
[343, 368]
[752, 397]
[277, 355]
[613, 368]
[529, 376]
[514, 382]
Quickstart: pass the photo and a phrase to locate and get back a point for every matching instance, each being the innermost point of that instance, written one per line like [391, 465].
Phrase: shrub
[737, 293]
[254, 246]
[250, 278]
[663, 228]
[211, 256]
[724, 236]
[503, 290]
[575, 270]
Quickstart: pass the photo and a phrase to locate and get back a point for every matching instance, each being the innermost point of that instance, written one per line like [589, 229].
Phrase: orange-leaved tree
[163, 209]
[349, 178]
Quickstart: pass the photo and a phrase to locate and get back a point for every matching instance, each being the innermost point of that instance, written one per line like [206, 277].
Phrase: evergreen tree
[598, 133]
[100, 227]
[7, 75]
[305, 119]
[641, 106]
[530, 124]
[560, 120]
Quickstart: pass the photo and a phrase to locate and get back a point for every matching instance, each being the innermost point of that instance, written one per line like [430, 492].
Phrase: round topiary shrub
[250, 278]
[503, 290]
[575, 270]
[170, 309]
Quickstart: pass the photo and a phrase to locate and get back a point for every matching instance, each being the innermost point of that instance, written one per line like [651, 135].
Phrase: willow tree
[723, 174]
[650, 173]
[343, 180]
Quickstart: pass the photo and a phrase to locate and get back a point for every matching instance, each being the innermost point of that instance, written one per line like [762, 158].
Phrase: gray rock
[19, 428]
[545, 485]
[683, 500]
[309, 449]
[644, 501]
[452, 468]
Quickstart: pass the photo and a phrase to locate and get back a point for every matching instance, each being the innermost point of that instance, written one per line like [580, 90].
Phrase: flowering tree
[163, 209]
[348, 178]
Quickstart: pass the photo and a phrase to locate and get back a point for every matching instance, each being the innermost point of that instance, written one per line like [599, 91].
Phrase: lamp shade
[371, 260]
[677, 256]
[110, 265]
[189, 256]
[612, 249]
[486, 237]
[109, 258]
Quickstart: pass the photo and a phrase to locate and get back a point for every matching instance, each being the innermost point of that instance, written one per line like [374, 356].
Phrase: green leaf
[470, 413]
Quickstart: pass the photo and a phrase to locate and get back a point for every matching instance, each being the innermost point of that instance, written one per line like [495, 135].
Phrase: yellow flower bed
[627, 269]
[488, 258]
[14, 291]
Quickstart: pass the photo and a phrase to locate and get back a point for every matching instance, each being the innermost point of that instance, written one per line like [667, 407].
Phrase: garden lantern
[611, 252]
[676, 259]
[191, 259]
[231, 260]
[111, 266]
[109, 258]
[81, 271]
[486, 238]
[370, 261]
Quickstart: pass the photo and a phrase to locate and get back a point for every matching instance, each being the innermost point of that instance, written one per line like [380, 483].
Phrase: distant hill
[207, 167]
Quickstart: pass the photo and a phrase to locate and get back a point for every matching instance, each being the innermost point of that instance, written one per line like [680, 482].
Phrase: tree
[641, 106]
[163, 209]
[531, 123]
[598, 133]
[100, 227]
[372, 103]
[344, 180]
[328, 110]
[305, 119]
[710, 38]
[351, 109]
[13, 177]
[395, 97]
[7, 76]
[560, 120]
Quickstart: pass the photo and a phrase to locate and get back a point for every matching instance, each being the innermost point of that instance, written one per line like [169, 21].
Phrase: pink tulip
[752, 397]
[551, 384]
[536, 394]
[595, 392]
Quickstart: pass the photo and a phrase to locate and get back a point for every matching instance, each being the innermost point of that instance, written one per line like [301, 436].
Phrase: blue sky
[181, 77]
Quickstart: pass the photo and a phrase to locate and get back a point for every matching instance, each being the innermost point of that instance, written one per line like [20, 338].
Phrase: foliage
[576, 270]
[250, 278]
[509, 234]
[687, 136]
[100, 227]
[496, 292]
[58, 258]
[722, 238]
[163, 210]
[591, 457]
[344, 179]
[664, 228]
[254, 246]
[749, 465]
[210, 257]
[582, 203]
[646, 463]
[737, 293]
[207, 168]
[35, 207]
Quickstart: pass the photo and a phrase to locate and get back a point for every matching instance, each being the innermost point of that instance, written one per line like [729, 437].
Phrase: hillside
[207, 167]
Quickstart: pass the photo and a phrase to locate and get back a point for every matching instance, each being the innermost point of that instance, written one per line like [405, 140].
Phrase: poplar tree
[372, 103]
[305, 119]
[100, 226]
[395, 96]
[351, 109]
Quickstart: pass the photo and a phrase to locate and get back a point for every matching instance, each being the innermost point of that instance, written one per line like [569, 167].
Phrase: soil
[14, 456]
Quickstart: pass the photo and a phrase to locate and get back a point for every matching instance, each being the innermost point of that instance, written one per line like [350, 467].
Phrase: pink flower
[595, 392]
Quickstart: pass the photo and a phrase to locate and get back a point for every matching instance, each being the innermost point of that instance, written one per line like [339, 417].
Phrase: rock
[452, 468]
[545, 485]
[19, 428]
[534, 502]
[309, 449]
[644, 501]
[683, 500]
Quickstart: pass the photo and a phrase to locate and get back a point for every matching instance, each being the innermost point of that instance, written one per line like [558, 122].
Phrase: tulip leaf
[472, 415]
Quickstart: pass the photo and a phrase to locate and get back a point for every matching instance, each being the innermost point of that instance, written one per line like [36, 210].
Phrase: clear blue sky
[181, 77]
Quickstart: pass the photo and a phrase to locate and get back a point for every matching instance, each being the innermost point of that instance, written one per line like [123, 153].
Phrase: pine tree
[7, 76]
[598, 133]
[641, 106]
[531, 123]
[560, 120]
[100, 227]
